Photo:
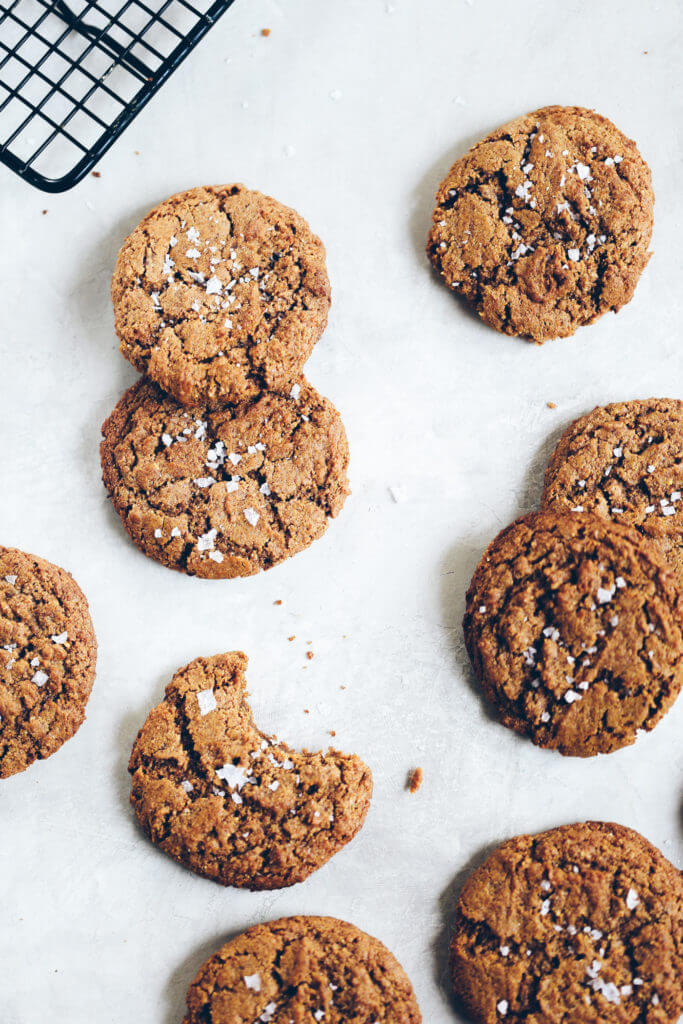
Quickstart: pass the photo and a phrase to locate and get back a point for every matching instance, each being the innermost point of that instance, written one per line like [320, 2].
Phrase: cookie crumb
[277, 602]
[414, 780]
[551, 405]
[332, 732]
[265, 32]
[309, 654]
[96, 174]
[306, 711]
[43, 212]
[290, 638]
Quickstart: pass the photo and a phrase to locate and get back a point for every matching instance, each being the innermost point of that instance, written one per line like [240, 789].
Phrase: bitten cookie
[220, 292]
[574, 628]
[224, 493]
[581, 924]
[47, 659]
[302, 969]
[231, 803]
[623, 462]
[545, 224]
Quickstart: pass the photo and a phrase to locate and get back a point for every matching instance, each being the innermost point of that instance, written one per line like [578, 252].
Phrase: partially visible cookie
[231, 803]
[47, 659]
[220, 292]
[623, 461]
[302, 969]
[225, 493]
[581, 924]
[574, 628]
[545, 225]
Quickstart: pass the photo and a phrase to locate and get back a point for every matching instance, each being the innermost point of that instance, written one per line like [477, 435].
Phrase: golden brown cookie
[545, 224]
[225, 493]
[220, 292]
[623, 462]
[47, 659]
[302, 969]
[574, 628]
[579, 925]
[231, 803]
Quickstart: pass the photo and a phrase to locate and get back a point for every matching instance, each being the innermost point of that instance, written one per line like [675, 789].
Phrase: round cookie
[574, 628]
[231, 803]
[545, 225]
[220, 292]
[583, 923]
[623, 461]
[224, 493]
[47, 659]
[302, 969]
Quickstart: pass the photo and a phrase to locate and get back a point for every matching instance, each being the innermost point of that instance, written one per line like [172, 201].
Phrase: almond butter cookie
[623, 462]
[47, 659]
[581, 924]
[227, 492]
[231, 803]
[302, 969]
[219, 293]
[545, 225]
[574, 626]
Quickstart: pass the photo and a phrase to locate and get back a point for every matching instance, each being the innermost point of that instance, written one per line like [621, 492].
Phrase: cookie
[302, 969]
[219, 293]
[574, 628]
[623, 462]
[231, 803]
[581, 924]
[545, 225]
[47, 659]
[224, 493]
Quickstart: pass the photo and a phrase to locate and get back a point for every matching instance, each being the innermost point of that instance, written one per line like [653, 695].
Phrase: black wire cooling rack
[73, 76]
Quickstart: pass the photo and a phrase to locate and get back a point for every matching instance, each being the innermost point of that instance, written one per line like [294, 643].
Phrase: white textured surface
[351, 112]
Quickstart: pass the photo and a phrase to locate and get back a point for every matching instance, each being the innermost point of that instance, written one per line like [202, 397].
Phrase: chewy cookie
[47, 659]
[574, 628]
[302, 969]
[224, 493]
[545, 224]
[623, 462]
[219, 293]
[582, 924]
[231, 803]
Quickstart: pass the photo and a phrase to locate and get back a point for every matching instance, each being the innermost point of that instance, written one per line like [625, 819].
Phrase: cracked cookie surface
[624, 461]
[579, 925]
[219, 293]
[573, 625]
[224, 493]
[231, 803]
[47, 659]
[302, 969]
[545, 224]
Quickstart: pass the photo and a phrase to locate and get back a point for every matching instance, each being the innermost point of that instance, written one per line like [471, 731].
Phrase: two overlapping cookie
[574, 616]
[223, 460]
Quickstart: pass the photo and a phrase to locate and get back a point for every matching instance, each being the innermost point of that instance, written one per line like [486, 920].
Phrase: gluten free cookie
[545, 225]
[623, 461]
[231, 803]
[574, 628]
[581, 924]
[47, 659]
[302, 969]
[230, 492]
[220, 292]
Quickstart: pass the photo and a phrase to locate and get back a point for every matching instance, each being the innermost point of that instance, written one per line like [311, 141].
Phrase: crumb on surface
[414, 780]
[96, 174]
[265, 31]
[277, 602]
[43, 212]
[309, 654]
[332, 732]
[306, 711]
[290, 638]
[551, 405]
